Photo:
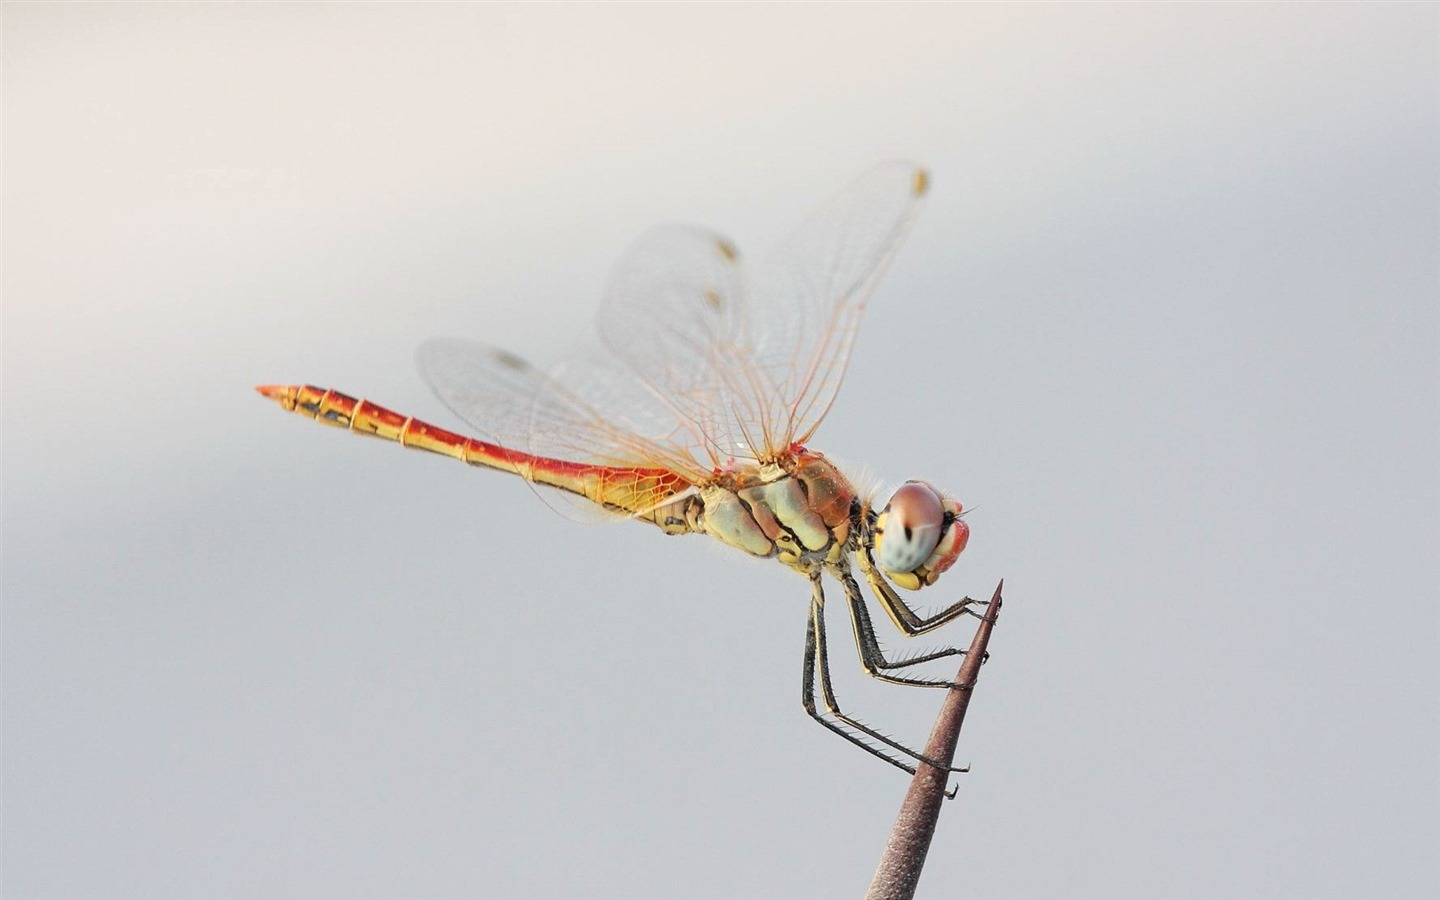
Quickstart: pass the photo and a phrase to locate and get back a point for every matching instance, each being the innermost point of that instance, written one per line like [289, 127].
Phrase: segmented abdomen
[637, 490]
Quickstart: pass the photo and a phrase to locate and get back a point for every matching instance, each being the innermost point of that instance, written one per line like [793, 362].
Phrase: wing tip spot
[921, 182]
[727, 250]
[509, 360]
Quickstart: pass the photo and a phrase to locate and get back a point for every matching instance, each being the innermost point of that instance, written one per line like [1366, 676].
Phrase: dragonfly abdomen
[330, 407]
[641, 492]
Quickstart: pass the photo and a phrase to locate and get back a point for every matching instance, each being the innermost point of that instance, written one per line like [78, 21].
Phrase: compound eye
[913, 520]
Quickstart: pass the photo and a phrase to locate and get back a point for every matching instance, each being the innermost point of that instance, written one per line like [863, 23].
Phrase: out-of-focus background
[1168, 323]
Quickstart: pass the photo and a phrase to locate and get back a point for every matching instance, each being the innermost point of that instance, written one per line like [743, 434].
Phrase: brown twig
[899, 871]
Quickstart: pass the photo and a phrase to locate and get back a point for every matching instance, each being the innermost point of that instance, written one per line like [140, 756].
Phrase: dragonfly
[692, 409]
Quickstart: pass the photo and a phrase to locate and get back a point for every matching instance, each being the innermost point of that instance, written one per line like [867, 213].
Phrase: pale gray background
[1169, 322]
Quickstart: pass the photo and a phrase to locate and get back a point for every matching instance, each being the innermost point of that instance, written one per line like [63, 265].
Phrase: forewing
[809, 294]
[748, 364]
[675, 313]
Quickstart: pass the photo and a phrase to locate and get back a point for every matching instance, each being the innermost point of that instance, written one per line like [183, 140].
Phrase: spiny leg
[872, 658]
[816, 660]
[905, 618]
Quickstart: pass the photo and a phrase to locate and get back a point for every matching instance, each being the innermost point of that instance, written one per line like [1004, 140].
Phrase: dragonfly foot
[955, 788]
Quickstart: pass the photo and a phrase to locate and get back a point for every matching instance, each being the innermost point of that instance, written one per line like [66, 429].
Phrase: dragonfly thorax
[798, 509]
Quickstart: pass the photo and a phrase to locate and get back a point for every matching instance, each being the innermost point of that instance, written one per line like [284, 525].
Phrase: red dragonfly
[693, 412]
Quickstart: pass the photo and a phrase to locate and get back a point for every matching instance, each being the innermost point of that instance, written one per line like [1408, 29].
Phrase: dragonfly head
[918, 535]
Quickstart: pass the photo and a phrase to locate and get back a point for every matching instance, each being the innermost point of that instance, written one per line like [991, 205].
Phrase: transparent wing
[809, 294]
[675, 312]
[699, 363]
[749, 363]
[605, 418]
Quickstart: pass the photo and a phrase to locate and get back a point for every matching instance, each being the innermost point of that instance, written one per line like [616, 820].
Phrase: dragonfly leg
[905, 618]
[816, 661]
[872, 658]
